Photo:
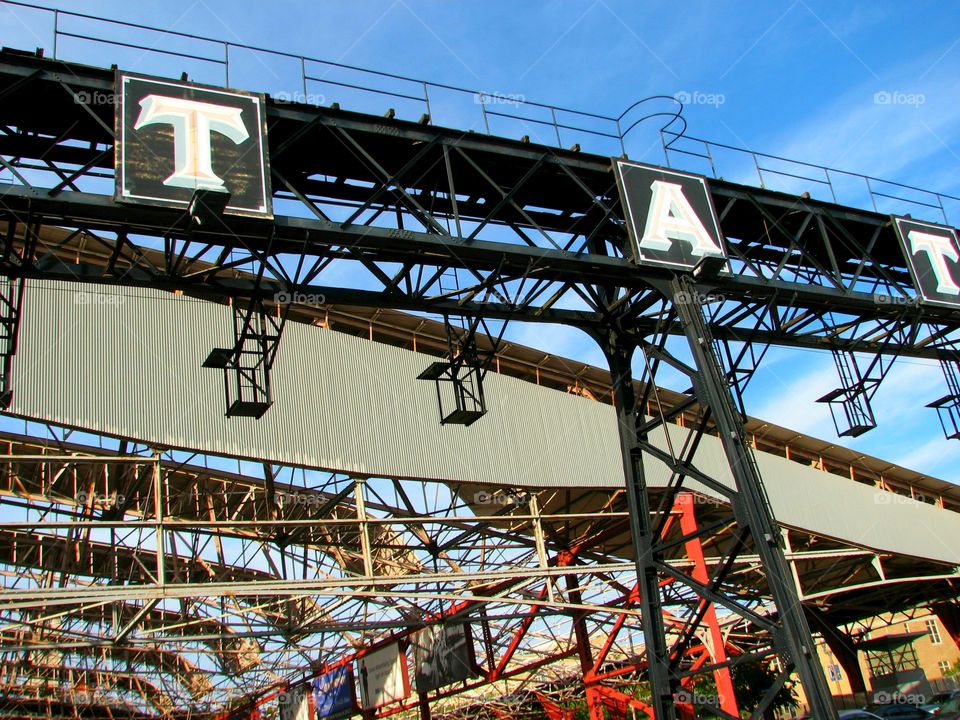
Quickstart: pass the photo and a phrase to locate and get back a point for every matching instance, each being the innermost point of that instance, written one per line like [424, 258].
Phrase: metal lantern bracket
[462, 372]
[246, 366]
[850, 403]
[948, 407]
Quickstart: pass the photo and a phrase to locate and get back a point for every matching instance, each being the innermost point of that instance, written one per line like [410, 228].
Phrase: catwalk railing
[721, 161]
[298, 78]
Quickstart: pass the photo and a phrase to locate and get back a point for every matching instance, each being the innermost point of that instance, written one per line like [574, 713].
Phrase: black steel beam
[836, 268]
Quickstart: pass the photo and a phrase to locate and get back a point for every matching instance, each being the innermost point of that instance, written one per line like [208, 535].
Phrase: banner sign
[335, 695]
[933, 257]
[383, 677]
[670, 216]
[295, 703]
[174, 138]
[443, 654]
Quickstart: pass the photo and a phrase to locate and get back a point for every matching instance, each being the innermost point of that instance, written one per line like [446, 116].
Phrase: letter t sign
[174, 138]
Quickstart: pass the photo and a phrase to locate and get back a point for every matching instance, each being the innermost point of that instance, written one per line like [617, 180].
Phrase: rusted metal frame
[687, 453]
[706, 591]
[794, 243]
[68, 180]
[111, 133]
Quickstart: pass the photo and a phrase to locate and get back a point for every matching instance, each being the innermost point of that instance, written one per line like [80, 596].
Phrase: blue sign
[335, 694]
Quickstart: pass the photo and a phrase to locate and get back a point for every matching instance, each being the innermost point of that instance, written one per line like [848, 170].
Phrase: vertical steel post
[845, 651]
[426, 100]
[584, 651]
[364, 526]
[619, 354]
[226, 64]
[158, 519]
[540, 543]
[712, 390]
[423, 704]
[726, 696]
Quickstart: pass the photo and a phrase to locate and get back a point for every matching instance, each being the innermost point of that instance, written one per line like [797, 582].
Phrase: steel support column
[751, 505]
[843, 649]
[688, 524]
[584, 651]
[619, 351]
[423, 705]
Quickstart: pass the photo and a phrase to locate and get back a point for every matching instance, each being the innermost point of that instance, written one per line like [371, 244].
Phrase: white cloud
[904, 393]
[884, 128]
[786, 393]
[938, 457]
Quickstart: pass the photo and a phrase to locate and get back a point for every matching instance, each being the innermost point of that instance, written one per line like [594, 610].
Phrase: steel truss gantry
[246, 579]
[532, 234]
[212, 587]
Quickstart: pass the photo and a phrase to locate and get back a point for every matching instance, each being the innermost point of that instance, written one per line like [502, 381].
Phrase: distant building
[930, 647]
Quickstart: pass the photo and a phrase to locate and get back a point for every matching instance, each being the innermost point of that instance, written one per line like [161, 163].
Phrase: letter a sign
[174, 138]
[933, 256]
[670, 217]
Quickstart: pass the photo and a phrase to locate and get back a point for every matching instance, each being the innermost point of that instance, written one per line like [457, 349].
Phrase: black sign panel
[933, 256]
[174, 138]
[670, 216]
[443, 654]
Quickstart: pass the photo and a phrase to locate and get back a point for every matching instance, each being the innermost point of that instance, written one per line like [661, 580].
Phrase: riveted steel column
[752, 507]
[619, 352]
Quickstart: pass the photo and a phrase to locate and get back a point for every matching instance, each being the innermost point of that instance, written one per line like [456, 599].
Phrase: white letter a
[671, 218]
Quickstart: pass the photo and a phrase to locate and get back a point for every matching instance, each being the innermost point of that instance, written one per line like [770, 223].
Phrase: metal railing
[549, 124]
[838, 186]
[563, 127]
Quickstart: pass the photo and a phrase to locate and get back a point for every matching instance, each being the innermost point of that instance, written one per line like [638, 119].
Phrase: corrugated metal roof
[534, 365]
[128, 363]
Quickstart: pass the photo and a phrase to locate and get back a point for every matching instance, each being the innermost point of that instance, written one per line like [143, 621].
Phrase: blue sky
[868, 87]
